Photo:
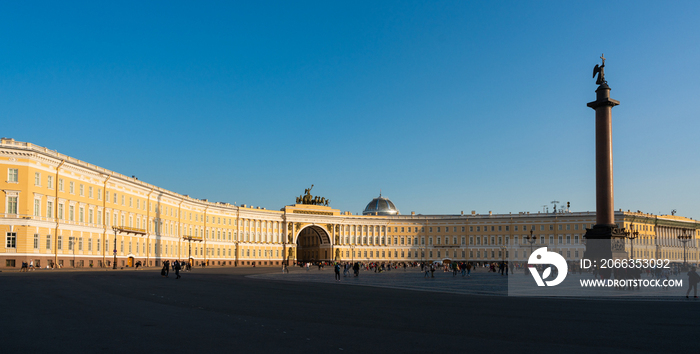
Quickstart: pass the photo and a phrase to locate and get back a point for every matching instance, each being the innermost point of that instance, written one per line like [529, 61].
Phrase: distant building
[58, 210]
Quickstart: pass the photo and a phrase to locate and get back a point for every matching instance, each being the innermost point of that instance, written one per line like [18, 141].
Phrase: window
[37, 179]
[49, 209]
[82, 190]
[462, 231]
[48, 242]
[71, 187]
[70, 243]
[12, 175]
[559, 227]
[11, 240]
[59, 242]
[37, 207]
[49, 182]
[60, 184]
[516, 228]
[71, 212]
[576, 241]
[12, 205]
[81, 215]
[438, 229]
[90, 219]
[471, 228]
[430, 229]
[561, 239]
[131, 202]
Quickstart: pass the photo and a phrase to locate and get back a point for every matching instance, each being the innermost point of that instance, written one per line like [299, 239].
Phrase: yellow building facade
[60, 211]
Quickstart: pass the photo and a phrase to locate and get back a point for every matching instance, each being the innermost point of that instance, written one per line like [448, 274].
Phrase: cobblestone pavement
[479, 283]
[261, 310]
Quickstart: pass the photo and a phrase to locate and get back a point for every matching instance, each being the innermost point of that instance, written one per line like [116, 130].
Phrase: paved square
[250, 310]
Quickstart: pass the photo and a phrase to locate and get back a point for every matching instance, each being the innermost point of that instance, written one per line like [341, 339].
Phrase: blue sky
[444, 106]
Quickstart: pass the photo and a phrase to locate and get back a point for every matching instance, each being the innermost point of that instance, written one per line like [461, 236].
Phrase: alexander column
[605, 240]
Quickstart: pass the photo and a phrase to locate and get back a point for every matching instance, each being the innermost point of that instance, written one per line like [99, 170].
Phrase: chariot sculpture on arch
[308, 199]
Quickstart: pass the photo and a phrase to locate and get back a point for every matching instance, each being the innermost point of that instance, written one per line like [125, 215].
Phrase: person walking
[337, 272]
[432, 270]
[469, 269]
[693, 280]
[177, 269]
[356, 269]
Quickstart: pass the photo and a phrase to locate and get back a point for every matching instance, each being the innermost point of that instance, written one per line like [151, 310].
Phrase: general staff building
[58, 210]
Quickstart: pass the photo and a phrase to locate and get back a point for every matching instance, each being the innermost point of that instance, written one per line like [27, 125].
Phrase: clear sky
[444, 106]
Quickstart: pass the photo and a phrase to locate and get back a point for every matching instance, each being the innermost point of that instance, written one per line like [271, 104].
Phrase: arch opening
[313, 245]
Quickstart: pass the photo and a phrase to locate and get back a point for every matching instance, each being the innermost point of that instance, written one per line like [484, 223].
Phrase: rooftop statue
[601, 73]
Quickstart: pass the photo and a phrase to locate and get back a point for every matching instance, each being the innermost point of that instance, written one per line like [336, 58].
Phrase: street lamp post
[235, 262]
[189, 239]
[632, 235]
[685, 237]
[71, 243]
[531, 240]
[114, 263]
[189, 252]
